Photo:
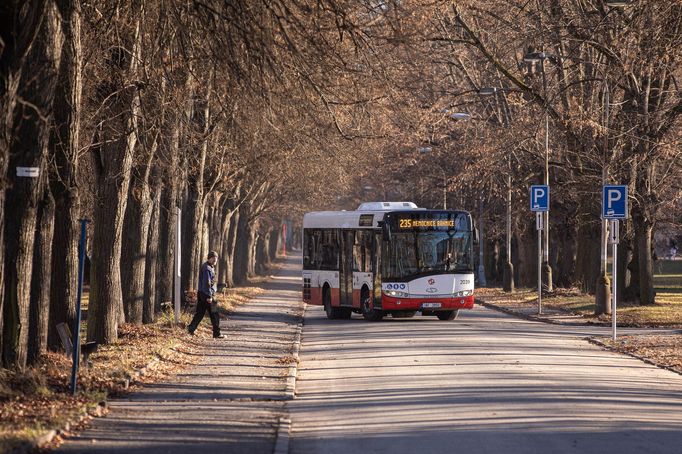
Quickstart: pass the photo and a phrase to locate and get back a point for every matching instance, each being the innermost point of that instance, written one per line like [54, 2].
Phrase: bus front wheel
[369, 314]
[447, 315]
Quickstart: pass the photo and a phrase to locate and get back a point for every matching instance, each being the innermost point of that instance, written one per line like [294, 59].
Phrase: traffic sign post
[539, 218]
[614, 208]
[613, 239]
[539, 203]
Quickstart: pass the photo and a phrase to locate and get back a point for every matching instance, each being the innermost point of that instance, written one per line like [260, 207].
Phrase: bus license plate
[430, 305]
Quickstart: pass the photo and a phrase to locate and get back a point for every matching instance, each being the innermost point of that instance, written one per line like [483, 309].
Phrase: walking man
[205, 294]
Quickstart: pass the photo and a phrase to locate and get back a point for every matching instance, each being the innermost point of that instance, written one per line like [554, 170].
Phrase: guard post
[76, 350]
[614, 208]
[539, 203]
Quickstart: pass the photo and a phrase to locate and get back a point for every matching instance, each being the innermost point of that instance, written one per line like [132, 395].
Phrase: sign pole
[614, 237]
[177, 270]
[539, 203]
[539, 217]
[614, 207]
[77, 328]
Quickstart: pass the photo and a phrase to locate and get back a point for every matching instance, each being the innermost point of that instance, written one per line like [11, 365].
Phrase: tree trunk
[41, 280]
[167, 220]
[643, 236]
[253, 242]
[133, 257]
[206, 240]
[29, 149]
[20, 25]
[231, 248]
[65, 144]
[587, 256]
[117, 133]
[167, 214]
[151, 269]
[229, 229]
[273, 247]
[624, 274]
[191, 245]
[566, 247]
[262, 256]
[242, 247]
[196, 202]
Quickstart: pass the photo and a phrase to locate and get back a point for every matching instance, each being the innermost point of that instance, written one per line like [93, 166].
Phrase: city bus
[389, 258]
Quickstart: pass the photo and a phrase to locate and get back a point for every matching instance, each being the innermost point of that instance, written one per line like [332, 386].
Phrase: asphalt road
[485, 383]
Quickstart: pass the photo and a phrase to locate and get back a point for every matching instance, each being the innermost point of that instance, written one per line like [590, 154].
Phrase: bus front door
[346, 268]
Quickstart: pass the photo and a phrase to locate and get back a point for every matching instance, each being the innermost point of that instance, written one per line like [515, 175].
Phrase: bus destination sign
[425, 223]
[429, 220]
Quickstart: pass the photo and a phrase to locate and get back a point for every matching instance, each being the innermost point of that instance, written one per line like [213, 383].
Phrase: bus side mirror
[475, 233]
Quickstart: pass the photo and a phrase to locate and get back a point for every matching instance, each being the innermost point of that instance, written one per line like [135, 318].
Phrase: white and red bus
[389, 258]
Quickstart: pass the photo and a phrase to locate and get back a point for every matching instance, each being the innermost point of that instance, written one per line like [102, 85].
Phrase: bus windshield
[409, 254]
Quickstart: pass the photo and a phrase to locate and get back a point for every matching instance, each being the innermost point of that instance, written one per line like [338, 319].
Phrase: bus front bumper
[389, 303]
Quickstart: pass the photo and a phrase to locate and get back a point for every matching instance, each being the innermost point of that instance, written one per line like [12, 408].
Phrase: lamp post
[602, 287]
[481, 267]
[618, 3]
[535, 58]
[508, 276]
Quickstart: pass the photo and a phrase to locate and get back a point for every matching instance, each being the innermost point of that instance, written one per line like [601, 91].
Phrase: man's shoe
[219, 336]
[190, 332]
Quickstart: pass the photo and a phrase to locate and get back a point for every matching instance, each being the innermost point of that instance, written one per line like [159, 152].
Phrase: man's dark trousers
[202, 306]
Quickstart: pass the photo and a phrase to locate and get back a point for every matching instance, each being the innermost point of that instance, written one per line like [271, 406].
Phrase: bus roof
[371, 213]
[368, 215]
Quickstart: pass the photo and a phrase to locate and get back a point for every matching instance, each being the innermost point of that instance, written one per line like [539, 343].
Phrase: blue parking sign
[539, 197]
[614, 202]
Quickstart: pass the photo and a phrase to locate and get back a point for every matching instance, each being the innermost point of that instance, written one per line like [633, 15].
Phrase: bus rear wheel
[369, 314]
[447, 315]
[333, 313]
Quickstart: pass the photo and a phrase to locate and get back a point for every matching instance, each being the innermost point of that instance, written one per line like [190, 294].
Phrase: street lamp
[533, 57]
[488, 91]
[508, 276]
[618, 3]
[425, 150]
[460, 116]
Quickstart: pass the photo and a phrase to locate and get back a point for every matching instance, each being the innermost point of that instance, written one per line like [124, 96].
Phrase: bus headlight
[397, 294]
[463, 293]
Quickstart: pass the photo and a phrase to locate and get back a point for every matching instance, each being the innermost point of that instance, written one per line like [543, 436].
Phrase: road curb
[48, 436]
[599, 343]
[282, 441]
[533, 318]
[290, 391]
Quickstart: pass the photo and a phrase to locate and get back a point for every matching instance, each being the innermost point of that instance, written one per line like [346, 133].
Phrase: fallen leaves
[662, 350]
[38, 399]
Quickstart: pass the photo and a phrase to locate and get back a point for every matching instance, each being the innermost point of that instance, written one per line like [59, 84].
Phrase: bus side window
[329, 250]
[311, 249]
[362, 251]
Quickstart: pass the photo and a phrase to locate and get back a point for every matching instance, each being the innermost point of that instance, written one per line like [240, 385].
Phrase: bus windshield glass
[412, 253]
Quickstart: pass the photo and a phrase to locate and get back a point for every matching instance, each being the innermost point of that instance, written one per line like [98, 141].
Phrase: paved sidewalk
[231, 402]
